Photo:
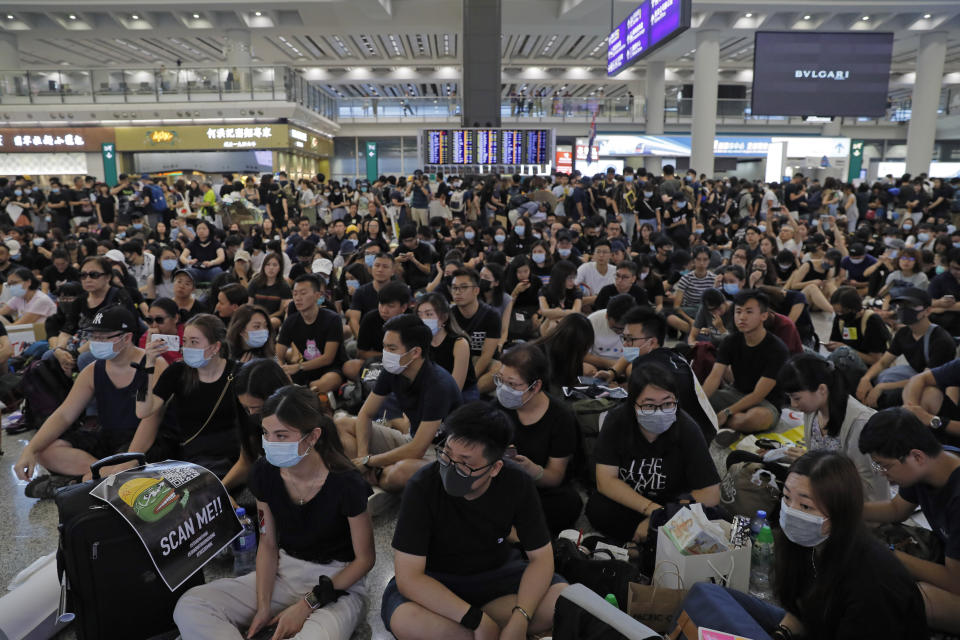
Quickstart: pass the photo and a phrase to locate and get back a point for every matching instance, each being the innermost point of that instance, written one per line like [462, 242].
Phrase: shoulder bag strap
[215, 407]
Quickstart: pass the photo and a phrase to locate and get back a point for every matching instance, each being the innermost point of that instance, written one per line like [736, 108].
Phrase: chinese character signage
[197, 137]
[54, 139]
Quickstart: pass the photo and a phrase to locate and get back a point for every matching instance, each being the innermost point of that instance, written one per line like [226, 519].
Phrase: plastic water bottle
[761, 564]
[245, 546]
[757, 523]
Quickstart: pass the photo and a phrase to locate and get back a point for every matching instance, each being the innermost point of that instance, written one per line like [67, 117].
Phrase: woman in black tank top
[449, 347]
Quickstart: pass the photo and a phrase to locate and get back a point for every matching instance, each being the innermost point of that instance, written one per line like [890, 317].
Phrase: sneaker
[44, 487]
[380, 501]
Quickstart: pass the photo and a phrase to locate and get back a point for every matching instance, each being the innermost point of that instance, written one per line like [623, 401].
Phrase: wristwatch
[311, 599]
[365, 461]
[937, 424]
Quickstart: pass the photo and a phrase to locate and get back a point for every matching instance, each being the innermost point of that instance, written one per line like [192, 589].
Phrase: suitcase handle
[118, 458]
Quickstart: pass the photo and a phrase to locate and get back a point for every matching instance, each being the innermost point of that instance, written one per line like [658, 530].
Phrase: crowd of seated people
[422, 337]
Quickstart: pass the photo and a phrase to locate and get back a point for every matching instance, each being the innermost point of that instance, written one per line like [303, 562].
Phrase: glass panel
[14, 87]
[263, 82]
[200, 83]
[140, 85]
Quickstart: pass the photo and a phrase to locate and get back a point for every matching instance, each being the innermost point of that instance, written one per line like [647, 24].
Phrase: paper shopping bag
[654, 605]
[728, 568]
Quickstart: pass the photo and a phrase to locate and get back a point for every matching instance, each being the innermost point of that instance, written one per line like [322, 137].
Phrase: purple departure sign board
[649, 26]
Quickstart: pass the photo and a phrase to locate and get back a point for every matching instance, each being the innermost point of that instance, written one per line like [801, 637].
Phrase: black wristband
[471, 619]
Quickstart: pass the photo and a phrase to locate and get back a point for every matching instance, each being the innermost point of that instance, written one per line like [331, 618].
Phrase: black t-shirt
[941, 507]
[205, 252]
[432, 395]
[370, 335]
[270, 296]
[220, 439]
[465, 537]
[567, 299]
[364, 299]
[485, 323]
[56, 278]
[317, 531]
[311, 339]
[749, 364]
[442, 354]
[941, 348]
[677, 462]
[873, 340]
[412, 274]
[610, 290]
[552, 436]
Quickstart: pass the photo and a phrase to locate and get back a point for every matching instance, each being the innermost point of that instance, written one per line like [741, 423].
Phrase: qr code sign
[179, 476]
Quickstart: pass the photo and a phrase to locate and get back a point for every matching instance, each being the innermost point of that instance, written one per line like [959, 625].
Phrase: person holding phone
[163, 320]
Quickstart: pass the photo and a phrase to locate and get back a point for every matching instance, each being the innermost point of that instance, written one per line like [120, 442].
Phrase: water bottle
[245, 546]
[757, 523]
[761, 564]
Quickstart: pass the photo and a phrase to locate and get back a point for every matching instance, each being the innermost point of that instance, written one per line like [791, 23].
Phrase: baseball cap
[322, 266]
[115, 255]
[913, 296]
[352, 227]
[241, 254]
[113, 318]
[190, 273]
[857, 249]
[13, 246]
[617, 245]
[347, 247]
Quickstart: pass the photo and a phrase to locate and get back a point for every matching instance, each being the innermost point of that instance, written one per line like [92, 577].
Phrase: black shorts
[477, 589]
[98, 442]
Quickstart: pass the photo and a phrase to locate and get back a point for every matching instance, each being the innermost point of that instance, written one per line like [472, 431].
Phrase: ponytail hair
[806, 372]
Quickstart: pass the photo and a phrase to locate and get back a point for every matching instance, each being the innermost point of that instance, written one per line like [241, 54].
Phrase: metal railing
[182, 84]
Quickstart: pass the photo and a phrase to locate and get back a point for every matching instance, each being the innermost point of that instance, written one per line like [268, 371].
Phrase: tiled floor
[29, 529]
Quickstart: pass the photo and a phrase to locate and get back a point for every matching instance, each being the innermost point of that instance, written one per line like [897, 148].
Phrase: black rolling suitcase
[111, 584]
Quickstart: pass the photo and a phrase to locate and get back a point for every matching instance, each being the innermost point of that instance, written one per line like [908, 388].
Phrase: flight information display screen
[438, 146]
[462, 146]
[487, 146]
[649, 26]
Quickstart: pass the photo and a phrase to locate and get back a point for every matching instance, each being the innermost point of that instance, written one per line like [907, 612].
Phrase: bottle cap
[761, 514]
[241, 512]
[765, 534]
[612, 599]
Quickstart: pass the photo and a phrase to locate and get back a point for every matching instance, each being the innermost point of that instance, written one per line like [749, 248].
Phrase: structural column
[655, 94]
[482, 26]
[706, 69]
[922, 131]
[9, 63]
[239, 56]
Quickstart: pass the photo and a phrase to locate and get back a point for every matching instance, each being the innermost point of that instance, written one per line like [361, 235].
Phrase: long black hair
[806, 372]
[805, 578]
[557, 287]
[258, 378]
[566, 347]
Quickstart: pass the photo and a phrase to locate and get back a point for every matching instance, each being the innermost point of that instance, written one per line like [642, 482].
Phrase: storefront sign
[196, 138]
[723, 146]
[54, 139]
[564, 160]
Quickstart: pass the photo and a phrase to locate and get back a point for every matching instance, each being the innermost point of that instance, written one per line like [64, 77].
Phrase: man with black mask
[923, 344]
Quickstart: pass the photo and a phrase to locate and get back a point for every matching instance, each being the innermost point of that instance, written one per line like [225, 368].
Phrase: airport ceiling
[383, 47]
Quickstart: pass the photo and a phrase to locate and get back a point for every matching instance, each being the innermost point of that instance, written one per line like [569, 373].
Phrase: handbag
[216, 406]
[749, 487]
[600, 576]
[654, 604]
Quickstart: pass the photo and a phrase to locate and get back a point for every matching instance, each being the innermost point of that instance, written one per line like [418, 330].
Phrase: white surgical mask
[283, 454]
[257, 338]
[509, 397]
[391, 362]
[804, 529]
[656, 422]
[433, 324]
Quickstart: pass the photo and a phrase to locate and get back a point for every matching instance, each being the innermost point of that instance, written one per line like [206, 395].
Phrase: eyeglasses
[628, 339]
[667, 407]
[464, 471]
[879, 468]
[156, 319]
[462, 288]
[498, 380]
[91, 274]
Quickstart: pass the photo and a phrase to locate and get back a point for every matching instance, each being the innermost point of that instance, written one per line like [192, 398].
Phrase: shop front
[215, 149]
[752, 157]
[46, 152]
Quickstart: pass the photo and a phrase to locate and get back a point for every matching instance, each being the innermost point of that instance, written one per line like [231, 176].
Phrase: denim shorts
[477, 589]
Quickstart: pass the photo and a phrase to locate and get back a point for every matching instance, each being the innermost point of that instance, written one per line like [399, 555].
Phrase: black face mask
[907, 315]
[484, 285]
[849, 318]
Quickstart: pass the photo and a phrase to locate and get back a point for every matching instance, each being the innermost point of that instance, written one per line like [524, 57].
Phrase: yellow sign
[203, 137]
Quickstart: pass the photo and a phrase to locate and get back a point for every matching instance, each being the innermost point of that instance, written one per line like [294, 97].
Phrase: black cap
[857, 249]
[913, 296]
[113, 318]
[190, 273]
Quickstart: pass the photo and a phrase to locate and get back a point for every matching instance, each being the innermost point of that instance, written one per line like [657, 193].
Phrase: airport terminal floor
[480, 320]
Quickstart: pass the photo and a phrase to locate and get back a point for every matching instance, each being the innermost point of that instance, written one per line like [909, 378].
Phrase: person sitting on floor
[457, 574]
[649, 453]
[754, 357]
[312, 510]
[908, 453]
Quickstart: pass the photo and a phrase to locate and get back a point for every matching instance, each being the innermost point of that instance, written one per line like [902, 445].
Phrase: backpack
[590, 413]
[158, 202]
[44, 387]
[456, 201]
[602, 576]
